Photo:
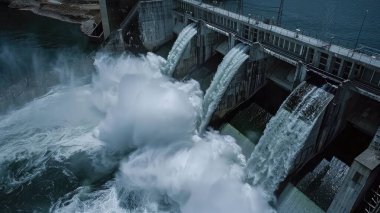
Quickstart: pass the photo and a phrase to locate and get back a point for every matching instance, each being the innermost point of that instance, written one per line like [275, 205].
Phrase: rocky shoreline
[84, 12]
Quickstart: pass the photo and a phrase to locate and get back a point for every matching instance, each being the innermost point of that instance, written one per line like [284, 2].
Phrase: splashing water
[178, 48]
[27, 71]
[46, 148]
[226, 71]
[134, 117]
[285, 135]
[173, 169]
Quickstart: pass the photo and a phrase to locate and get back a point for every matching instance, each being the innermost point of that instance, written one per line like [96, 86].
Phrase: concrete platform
[293, 200]
[246, 145]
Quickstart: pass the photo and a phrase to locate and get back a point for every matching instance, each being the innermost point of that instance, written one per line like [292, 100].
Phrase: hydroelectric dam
[319, 149]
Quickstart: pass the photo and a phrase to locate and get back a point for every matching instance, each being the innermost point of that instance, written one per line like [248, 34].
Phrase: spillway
[178, 48]
[322, 184]
[285, 135]
[224, 74]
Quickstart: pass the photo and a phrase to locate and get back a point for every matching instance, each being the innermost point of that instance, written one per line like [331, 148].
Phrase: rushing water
[223, 76]
[285, 135]
[125, 138]
[178, 48]
[64, 148]
[120, 140]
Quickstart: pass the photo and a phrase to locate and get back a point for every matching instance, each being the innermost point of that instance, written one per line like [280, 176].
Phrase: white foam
[203, 176]
[222, 79]
[178, 49]
[172, 168]
[54, 126]
[284, 136]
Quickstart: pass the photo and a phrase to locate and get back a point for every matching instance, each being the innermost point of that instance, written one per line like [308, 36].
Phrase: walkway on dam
[364, 58]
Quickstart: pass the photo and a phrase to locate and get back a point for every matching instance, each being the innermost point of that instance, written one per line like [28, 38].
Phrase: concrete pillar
[343, 96]
[351, 73]
[104, 17]
[300, 74]
[301, 50]
[316, 58]
[156, 23]
[231, 41]
[328, 63]
[288, 49]
[201, 44]
[307, 54]
[256, 53]
[112, 14]
[375, 145]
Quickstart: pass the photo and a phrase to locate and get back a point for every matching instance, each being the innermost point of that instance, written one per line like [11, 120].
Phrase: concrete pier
[113, 12]
[327, 59]
[155, 23]
[362, 174]
[287, 59]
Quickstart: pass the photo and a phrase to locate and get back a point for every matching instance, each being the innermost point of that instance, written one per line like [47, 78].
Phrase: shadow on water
[37, 53]
[340, 153]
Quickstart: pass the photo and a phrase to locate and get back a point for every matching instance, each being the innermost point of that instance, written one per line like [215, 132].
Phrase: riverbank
[84, 12]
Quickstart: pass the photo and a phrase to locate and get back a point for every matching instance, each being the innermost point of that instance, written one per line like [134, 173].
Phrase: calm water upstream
[325, 19]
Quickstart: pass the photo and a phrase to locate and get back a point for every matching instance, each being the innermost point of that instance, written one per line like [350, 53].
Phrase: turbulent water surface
[125, 142]
[84, 130]
[103, 132]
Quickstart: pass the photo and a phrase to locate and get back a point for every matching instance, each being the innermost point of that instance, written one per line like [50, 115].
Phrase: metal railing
[373, 203]
[305, 37]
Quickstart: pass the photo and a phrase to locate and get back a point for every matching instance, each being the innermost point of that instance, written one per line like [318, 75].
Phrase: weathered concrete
[362, 173]
[348, 73]
[156, 23]
[105, 19]
[113, 13]
[375, 145]
[248, 80]
[300, 74]
[246, 145]
[292, 47]
[292, 200]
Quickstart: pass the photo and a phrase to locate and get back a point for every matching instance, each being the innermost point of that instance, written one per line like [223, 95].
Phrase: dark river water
[52, 108]
[37, 53]
[99, 132]
[38, 56]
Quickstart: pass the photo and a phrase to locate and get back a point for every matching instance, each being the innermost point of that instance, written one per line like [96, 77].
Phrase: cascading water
[226, 71]
[178, 48]
[125, 142]
[115, 41]
[172, 168]
[61, 152]
[285, 135]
